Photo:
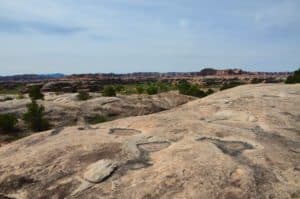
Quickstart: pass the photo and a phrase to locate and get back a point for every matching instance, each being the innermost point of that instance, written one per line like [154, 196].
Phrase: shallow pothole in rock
[153, 146]
[124, 132]
[232, 148]
[139, 163]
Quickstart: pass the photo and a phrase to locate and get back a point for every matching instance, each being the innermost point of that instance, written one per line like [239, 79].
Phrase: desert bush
[20, 96]
[7, 98]
[35, 93]
[109, 91]
[34, 117]
[140, 89]
[186, 88]
[230, 85]
[196, 91]
[293, 79]
[152, 89]
[8, 122]
[96, 119]
[256, 80]
[183, 87]
[119, 88]
[163, 87]
[83, 95]
[209, 91]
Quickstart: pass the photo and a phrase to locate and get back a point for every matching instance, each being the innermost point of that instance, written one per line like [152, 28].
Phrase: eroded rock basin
[153, 146]
[232, 148]
[123, 132]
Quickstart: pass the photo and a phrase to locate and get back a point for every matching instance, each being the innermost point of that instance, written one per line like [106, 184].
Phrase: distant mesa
[139, 75]
[31, 77]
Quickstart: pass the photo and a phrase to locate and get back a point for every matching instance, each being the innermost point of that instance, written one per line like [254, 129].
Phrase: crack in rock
[124, 132]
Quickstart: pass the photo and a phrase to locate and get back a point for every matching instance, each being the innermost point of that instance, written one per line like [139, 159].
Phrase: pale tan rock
[208, 148]
[99, 170]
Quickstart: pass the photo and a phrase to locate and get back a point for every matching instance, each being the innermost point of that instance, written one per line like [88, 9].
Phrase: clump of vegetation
[11, 89]
[186, 88]
[7, 98]
[152, 90]
[256, 80]
[58, 93]
[83, 95]
[293, 79]
[96, 119]
[209, 91]
[140, 89]
[109, 91]
[119, 88]
[8, 122]
[34, 117]
[164, 87]
[20, 96]
[35, 93]
[230, 85]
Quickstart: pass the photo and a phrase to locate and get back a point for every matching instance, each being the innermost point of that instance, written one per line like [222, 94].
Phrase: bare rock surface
[239, 143]
[99, 170]
[67, 110]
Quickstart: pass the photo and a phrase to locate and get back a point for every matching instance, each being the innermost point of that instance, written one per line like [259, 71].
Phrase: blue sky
[87, 36]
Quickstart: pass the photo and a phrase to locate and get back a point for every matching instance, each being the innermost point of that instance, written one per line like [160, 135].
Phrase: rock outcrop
[239, 143]
[67, 110]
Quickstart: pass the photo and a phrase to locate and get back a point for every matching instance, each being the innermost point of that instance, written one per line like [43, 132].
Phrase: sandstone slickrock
[235, 144]
[100, 170]
[67, 110]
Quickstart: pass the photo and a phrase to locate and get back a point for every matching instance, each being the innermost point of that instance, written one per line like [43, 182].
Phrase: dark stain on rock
[124, 132]
[56, 131]
[141, 162]
[35, 140]
[153, 146]
[86, 127]
[232, 148]
[13, 183]
[271, 96]
[106, 151]
[59, 192]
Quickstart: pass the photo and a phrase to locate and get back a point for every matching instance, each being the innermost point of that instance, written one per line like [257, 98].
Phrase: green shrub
[7, 98]
[35, 93]
[209, 91]
[152, 90]
[8, 122]
[96, 119]
[256, 81]
[119, 88]
[183, 87]
[230, 85]
[34, 117]
[163, 87]
[83, 95]
[293, 79]
[140, 89]
[20, 96]
[186, 88]
[109, 91]
[196, 91]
